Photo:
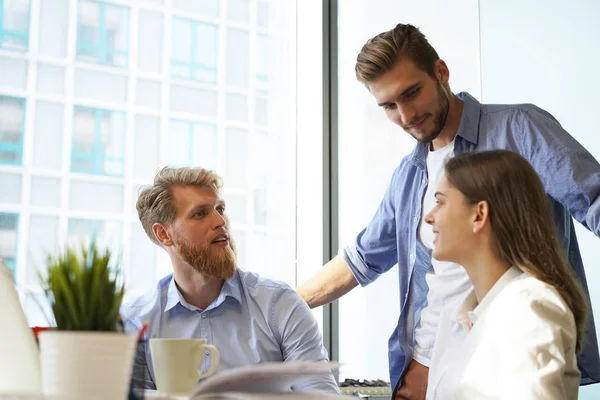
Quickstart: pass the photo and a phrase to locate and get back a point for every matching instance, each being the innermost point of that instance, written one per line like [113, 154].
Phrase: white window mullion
[68, 121]
[27, 150]
[129, 152]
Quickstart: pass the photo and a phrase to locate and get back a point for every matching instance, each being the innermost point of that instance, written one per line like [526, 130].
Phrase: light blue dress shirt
[571, 177]
[253, 320]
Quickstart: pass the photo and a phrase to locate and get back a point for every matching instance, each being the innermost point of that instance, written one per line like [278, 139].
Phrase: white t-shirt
[447, 281]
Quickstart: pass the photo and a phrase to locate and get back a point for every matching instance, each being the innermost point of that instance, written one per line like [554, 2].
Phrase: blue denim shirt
[253, 320]
[568, 171]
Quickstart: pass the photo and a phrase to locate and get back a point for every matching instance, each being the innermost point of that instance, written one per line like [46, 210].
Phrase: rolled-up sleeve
[375, 249]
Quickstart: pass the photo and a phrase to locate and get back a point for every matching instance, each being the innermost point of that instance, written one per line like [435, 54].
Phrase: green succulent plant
[83, 292]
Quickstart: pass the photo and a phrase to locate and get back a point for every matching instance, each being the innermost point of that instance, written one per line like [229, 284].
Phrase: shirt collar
[468, 128]
[470, 310]
[231, 288]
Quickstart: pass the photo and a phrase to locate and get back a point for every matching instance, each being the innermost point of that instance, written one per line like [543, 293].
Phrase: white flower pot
[86, 365]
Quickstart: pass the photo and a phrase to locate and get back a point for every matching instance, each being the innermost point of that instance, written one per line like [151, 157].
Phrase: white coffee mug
[177, 363]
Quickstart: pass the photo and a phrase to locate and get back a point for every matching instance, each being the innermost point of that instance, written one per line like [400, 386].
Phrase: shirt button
[412, 256]
[424, 181]
[204, 315]
[416, 219]
[207, 352]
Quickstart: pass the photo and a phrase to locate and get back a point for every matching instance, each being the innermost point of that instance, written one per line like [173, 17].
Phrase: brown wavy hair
[521, 219]
[383, 51]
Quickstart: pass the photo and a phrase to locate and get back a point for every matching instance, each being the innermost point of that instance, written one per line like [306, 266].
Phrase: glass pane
[278, 246]
[262, 62]
[14, 73]
[240, 240]
[236, 158]
[206, 52]
[237, 58]
[11, 188]
[141, 278]
[262, 13]
[203, 146]
[98, 139]
[36, 308]
[204, 102]
[237, 209]
[102, 33]
[262, 153]
[147, 136]
[48, 135]
[260, 212]
[43, 241]
[54, 26]
[9, 225]
[150, 39]
[261, 110]
[106, 234]
[148, 93]
[181, 40]
[205, 7]
[238, 10]
[45, 192]
[83, 196]
[50, 79]
[179, 134]
[257, 252]
[100, 86]
[236, 106]
[14, 25]
[12, 114]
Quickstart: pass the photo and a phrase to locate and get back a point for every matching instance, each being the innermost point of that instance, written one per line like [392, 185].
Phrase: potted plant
[87, 355]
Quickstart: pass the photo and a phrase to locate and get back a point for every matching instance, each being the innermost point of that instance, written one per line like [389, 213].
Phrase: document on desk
[260, 381]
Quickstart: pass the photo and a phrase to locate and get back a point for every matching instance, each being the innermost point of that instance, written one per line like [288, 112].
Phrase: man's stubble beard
[439, 118]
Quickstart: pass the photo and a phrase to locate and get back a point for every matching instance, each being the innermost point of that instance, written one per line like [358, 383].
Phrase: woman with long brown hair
[516, 334]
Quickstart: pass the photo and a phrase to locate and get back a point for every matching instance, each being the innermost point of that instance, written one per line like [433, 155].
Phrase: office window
[102, 33]
[193, 144]
[238, 11]
[262, 62]
[12, 128]
[10, 188]
[98, 141]
[194, 50]
[106, 235]
[14, 24]
[9, 225]
[204, 7]
[237, 54]
[262, 13]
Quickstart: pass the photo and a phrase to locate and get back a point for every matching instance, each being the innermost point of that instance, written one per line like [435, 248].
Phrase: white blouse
[519, 343]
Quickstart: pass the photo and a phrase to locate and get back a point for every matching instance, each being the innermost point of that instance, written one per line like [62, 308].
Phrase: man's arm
[300, 339]
[332, 282]
[570, 174]
[373, 252]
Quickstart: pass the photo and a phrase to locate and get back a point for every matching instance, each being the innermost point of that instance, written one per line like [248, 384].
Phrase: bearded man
[248, 318]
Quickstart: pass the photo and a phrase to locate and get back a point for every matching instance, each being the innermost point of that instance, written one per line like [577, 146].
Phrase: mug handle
[215, 360]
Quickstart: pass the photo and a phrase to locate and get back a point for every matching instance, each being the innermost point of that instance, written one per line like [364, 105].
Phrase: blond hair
[383, 51]
[521, 219]
[155, 202]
